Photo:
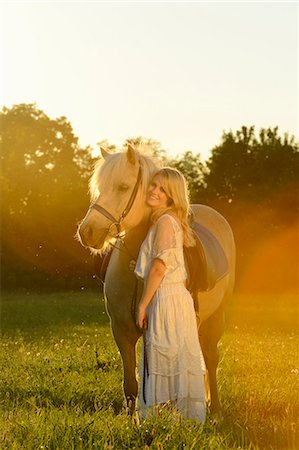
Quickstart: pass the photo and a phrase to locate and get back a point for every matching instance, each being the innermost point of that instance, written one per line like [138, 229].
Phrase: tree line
[251, 177]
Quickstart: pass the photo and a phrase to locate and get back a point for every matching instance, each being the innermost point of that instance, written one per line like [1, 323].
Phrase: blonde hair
[175, 186]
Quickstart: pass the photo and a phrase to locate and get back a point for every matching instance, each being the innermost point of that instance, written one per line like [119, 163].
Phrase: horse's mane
[112, 167]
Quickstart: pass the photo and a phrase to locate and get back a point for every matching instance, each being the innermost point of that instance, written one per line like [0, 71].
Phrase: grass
[61, 379]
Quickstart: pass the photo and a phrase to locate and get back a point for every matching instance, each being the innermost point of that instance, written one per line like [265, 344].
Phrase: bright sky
[180, 73]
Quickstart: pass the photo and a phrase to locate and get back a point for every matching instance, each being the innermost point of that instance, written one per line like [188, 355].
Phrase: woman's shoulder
[168, 217]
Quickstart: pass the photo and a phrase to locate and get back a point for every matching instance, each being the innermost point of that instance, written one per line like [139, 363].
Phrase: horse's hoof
[216, 418]
[129, 412]
[130, 407]
[133, 415]
[135, 419]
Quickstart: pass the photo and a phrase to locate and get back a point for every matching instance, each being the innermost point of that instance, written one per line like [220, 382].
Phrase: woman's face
[156, 196]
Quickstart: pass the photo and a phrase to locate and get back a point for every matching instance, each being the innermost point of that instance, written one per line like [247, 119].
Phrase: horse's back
[208, 302]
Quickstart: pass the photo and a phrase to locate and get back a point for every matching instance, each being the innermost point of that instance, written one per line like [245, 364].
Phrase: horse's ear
[104, 152]
[131, 154]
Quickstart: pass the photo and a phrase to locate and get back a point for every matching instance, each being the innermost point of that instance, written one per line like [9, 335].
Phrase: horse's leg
[127, 348]
[210, 333]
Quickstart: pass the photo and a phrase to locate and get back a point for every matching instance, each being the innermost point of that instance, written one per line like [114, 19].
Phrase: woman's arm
[155, 276]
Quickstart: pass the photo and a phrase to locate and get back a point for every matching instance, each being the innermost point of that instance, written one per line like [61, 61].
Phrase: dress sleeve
[165, 242]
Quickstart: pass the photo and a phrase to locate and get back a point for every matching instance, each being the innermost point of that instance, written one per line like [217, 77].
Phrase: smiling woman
[171, 370]
[157, 197]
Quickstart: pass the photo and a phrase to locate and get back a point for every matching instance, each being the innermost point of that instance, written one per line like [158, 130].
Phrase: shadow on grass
[86, 401]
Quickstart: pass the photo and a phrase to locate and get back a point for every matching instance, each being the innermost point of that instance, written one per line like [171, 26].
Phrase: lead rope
[145, 359]
[133, 305]
[145, 366]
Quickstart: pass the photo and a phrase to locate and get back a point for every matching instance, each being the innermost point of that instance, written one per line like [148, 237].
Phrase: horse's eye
[123, 187]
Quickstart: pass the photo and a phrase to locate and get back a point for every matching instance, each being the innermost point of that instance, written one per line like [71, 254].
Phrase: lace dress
[174, 357]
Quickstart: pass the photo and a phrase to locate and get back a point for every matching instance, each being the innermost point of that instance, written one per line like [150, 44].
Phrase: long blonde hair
[175, 186]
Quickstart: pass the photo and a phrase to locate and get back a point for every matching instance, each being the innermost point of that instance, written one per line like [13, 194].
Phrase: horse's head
[118, 189]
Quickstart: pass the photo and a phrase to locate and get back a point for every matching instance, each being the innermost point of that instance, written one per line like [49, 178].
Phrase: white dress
[174, 358]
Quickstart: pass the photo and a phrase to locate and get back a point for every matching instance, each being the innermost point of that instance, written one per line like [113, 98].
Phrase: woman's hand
[132, 265]
[142, 318]
[155, 276]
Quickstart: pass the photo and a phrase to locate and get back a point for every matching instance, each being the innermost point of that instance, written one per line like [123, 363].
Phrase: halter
[125, 212]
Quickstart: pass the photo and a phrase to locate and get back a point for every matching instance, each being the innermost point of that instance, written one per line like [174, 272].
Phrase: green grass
[57, 394]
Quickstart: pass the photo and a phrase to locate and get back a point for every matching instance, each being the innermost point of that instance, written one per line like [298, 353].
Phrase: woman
[172, 361]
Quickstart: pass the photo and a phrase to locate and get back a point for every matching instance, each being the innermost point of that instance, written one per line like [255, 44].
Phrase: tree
[150, 145]
[246, 168]
[254, 182]
[194, 171]
[43, 191]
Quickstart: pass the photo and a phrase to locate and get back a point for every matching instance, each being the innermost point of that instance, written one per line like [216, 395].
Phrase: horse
[118, 215]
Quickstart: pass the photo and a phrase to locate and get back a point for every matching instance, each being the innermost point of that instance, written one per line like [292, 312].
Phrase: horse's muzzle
[85, 235]
[91, 238]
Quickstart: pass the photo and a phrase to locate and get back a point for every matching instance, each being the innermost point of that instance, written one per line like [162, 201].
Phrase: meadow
[61, 378]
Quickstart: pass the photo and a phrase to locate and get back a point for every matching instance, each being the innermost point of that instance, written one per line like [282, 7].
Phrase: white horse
[118, 191]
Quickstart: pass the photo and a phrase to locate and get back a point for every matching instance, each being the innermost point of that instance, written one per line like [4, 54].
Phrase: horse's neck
[135, 236]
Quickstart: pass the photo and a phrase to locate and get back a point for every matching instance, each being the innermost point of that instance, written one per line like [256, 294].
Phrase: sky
[179, 73]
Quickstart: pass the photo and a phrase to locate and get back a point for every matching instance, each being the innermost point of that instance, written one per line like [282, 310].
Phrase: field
[61, 379]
